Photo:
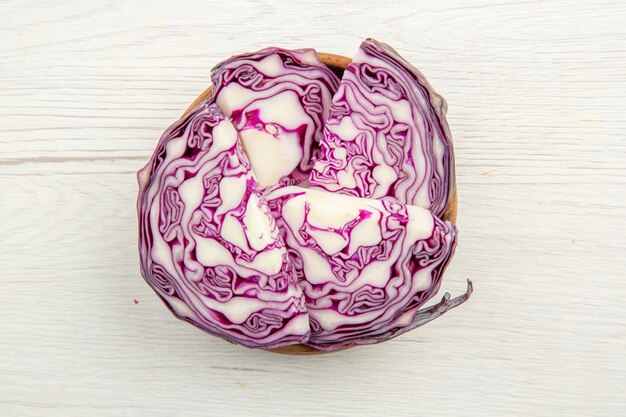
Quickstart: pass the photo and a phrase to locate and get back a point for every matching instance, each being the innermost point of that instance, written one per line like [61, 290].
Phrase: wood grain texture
[536, 92]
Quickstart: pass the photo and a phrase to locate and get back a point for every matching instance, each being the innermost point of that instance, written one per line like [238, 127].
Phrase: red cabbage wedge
[386, 135]
[278, 100]
[208, 244]
[366, 266]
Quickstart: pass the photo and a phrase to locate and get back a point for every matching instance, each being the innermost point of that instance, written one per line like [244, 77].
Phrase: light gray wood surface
[537, 96]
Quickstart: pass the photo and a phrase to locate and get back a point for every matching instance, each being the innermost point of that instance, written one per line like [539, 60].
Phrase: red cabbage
[208, 244]
[366, 266]
[233, 247]
[278, 100]
[386, 135]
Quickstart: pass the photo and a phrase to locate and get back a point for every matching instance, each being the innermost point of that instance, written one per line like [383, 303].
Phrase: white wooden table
[537, 97]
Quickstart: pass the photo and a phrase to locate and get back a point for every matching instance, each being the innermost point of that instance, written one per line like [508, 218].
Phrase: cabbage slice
[278, 100]
[386, 135]
[366, 266]
[208, 244]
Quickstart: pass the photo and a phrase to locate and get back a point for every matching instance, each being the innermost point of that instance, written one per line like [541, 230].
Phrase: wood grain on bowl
[337, 64]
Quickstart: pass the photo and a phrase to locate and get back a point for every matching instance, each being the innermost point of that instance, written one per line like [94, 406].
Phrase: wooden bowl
[337, 64]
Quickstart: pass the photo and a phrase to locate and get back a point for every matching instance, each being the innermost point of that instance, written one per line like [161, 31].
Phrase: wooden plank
[536, 93]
